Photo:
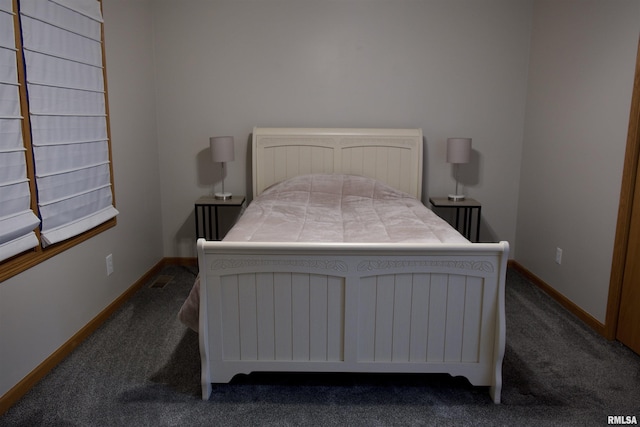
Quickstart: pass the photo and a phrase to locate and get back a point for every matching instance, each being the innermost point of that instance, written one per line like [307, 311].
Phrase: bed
[276, 295]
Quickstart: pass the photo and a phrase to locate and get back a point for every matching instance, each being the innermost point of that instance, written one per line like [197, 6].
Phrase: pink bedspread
[339, 208]
[332, 208]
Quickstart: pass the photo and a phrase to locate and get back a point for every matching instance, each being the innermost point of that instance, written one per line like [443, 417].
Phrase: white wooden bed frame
[344, 307]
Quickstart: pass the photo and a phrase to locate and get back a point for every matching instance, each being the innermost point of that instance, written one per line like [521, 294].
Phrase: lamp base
[456, 197]
[222, 196]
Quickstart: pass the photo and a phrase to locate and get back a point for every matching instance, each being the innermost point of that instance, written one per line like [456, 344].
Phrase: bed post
[501, 326]
[203, 335]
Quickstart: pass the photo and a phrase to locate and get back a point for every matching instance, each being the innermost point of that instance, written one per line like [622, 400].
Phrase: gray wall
[580, 83]
[43, 307]
[452, 68]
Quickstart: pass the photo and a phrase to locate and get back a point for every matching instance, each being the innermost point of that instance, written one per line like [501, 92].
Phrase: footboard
[352, 308]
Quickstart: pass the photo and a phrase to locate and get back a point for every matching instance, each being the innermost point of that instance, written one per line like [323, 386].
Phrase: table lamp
[222, 152]
[458, 152]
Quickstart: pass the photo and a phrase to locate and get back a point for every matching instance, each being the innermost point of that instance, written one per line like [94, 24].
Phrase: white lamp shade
[458, 150]
[221, 149]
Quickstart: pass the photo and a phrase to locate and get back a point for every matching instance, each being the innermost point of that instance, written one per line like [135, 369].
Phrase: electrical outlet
[558, 256]
[109, 265]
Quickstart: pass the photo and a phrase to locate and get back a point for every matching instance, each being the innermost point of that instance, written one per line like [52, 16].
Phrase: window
[55, 154]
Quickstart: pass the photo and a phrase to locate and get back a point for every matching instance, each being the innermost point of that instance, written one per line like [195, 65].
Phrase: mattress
[340, 208]
[332, 208]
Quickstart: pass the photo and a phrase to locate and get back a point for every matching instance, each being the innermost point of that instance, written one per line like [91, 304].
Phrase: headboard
[392, 156]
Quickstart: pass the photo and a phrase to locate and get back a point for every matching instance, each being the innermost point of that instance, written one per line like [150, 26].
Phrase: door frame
[629, 175]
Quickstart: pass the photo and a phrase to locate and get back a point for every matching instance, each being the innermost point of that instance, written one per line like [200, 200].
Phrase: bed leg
[495, 392]
[206, 390]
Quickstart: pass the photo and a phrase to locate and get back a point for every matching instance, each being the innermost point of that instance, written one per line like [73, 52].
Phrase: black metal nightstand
[467, 206]
[205, 225]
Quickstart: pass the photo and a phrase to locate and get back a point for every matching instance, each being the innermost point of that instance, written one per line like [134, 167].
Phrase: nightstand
[467, 206]
[206, 226]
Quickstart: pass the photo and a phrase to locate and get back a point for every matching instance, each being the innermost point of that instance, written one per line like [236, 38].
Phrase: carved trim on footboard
[375, 265]
[223, 264]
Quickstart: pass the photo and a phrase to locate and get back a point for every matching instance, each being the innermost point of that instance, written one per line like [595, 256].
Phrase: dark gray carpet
[142, 368]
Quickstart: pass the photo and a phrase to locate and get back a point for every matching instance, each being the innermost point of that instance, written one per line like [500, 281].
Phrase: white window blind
[65, 81]
[17, 220]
